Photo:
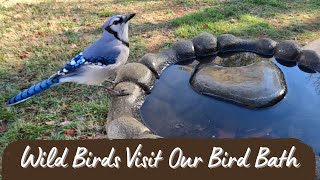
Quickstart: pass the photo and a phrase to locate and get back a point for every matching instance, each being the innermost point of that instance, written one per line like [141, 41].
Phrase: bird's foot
[113, 92]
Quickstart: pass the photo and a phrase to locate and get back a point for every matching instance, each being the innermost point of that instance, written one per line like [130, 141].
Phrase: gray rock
[128, 128]
[261, 84]
[126, 105]
[148, 136]
[136, 73]
[179, 51]
[317, 168]
[239, 59]
[264, 46]
[205, 44]
[227, 43]
[230, 43]
[309, 59]
[184, 50]
[158, 62]
[153, 62]
[287, 50]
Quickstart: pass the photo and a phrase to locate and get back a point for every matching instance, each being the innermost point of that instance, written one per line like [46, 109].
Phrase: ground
[38, 36]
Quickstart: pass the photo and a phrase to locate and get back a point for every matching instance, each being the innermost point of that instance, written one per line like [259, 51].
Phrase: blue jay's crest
[98, 62]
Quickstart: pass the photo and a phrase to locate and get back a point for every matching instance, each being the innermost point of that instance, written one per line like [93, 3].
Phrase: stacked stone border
[137, 79]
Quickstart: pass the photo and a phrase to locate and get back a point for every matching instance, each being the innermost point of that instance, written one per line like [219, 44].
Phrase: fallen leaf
[17, 16]
[205, 25]
[49, 123]
[3, 126]
[25, 54]
[65, 122]
[233, 20]
[70, 132]
[73, 46]
[40, 33]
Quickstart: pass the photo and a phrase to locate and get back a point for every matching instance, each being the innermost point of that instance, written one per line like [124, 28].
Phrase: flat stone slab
[259, 85]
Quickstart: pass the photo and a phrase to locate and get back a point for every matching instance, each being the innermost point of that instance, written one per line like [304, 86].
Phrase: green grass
[39, 37]
[254, 18]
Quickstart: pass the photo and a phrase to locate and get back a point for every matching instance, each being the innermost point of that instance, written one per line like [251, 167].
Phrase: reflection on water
[174, 109]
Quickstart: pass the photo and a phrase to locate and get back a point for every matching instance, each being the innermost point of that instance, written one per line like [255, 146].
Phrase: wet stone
[205, 44]
[151, 61]
[126, 105]
[128, 128]
[309, 59]
[136, 73]
[184, 50]
[261, 84]
[158, 62]
[230, 43]
[227, 43]
[287, 50]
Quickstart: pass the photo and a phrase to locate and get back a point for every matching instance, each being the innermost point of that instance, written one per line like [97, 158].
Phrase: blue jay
[96, 64]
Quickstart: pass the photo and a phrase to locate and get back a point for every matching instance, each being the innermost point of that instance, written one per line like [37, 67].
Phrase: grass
[38, 37]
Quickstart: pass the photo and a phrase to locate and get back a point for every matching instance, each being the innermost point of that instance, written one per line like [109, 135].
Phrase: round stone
[259, 85]
[227, 43]
[287, 50]
[158, 62]
[184, 50]
[127, 128]
[309, 59]
[136, 73]
[265, 46]
[126, 105]
[205, 44]
[150, 60]
[230, 43]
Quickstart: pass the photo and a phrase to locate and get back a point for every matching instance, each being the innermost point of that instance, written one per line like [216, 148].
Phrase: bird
[97, 63]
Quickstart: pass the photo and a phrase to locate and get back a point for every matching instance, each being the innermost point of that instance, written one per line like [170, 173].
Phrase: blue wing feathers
[70, 67]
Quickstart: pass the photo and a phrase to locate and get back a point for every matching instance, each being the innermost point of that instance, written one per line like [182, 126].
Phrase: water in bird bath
[174, 109]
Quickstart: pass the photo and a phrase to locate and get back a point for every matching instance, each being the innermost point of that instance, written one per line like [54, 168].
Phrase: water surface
[174, 109]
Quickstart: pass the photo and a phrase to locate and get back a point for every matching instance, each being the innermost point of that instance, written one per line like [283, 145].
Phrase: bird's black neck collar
[111, 31]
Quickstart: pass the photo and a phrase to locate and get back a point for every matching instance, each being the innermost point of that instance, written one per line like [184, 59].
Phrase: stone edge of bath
[137, 79]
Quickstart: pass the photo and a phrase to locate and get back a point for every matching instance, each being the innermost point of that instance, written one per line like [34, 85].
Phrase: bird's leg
[110, 90]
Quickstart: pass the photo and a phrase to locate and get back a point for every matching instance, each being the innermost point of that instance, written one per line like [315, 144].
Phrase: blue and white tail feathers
[73, 64]
[33, 90]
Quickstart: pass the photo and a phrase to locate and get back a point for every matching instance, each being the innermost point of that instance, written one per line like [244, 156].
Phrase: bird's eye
[118, 21]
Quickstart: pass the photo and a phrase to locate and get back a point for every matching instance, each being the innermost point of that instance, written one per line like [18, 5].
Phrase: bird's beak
[129, 16]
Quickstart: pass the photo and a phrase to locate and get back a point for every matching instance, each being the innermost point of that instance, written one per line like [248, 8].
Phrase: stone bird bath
[220, 87]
